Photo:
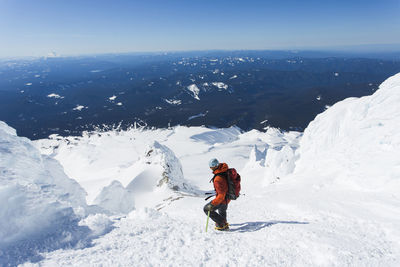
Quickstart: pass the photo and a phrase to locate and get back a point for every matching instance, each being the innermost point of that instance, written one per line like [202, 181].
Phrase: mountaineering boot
[223, 227]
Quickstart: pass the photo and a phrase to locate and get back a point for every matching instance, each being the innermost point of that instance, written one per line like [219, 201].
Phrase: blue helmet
[213, 163]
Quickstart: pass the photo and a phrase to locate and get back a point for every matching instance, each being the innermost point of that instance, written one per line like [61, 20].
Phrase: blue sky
[37, 27]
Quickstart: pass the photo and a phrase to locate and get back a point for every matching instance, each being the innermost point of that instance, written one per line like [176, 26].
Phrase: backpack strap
[218, 174]
[225, 175]
[212, 179]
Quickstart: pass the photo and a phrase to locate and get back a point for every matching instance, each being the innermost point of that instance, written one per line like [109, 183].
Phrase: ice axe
[208, 197]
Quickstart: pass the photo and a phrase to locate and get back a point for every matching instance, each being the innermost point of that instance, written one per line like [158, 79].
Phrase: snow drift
[357, 141]
[40, 206]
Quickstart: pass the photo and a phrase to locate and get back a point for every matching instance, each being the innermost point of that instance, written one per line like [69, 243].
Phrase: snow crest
[172, 174]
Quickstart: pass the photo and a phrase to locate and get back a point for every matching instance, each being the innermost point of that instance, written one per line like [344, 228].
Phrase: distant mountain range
[250, 89]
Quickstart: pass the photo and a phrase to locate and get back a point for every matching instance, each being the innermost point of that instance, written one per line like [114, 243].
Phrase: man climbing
[220, 203]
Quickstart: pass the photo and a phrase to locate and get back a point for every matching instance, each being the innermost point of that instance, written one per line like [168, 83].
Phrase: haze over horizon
[95, 27]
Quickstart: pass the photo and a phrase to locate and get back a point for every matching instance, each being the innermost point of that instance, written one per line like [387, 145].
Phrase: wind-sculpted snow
[257, 157]
[172, 174]
[276, 159]
[159, 169]
[357, 141]
[279, 161]
[40, 206]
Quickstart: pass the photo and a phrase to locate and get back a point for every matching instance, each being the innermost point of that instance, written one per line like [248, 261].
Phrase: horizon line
[378, 49]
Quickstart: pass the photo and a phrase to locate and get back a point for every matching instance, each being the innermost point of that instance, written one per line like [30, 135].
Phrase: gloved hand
[209, 207]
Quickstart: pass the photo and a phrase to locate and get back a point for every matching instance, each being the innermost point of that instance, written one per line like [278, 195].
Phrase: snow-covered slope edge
[356, 142]
[40, 206]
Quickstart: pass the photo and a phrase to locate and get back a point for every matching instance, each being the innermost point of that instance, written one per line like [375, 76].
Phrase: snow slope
[328, 197]
[357, 141]
[40, 206]
[178, 226]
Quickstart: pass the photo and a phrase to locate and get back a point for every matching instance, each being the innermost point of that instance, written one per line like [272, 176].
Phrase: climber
[218, 206]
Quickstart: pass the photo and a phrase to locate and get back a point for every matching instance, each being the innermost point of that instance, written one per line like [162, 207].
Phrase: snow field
[281, 232]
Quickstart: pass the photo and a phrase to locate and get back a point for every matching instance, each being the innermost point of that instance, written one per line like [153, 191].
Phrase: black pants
[220, 216]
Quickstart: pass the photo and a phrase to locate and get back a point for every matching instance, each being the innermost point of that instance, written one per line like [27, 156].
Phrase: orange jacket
[220, 186]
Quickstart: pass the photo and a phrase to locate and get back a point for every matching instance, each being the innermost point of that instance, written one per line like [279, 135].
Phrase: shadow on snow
[256, 226]
[66, 233]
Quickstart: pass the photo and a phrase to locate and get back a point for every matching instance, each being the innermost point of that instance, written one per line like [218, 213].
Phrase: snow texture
[41, 206]
[343, 136]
